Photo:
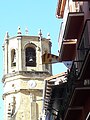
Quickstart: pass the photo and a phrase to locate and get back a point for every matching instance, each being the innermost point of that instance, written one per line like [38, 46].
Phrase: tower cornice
[38, 74]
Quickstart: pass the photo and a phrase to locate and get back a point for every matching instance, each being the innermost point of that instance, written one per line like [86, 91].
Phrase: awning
[48, 58]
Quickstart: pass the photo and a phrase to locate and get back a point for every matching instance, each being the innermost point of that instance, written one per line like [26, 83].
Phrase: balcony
[73, 25]
[84, 52]
[70, 31]
[75, 96]
[72, 21]
[78, 100]
[68, 50]
[73, 113]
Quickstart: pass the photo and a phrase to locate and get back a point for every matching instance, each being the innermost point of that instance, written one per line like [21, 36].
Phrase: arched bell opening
[30, 54]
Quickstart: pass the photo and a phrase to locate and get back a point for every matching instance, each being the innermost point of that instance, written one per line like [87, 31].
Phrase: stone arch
[30, 55]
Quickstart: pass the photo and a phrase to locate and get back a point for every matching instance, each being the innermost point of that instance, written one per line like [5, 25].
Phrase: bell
[30, 59]
[14, 61]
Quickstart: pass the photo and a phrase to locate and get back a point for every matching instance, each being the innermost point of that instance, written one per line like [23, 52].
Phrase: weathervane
[26, 31]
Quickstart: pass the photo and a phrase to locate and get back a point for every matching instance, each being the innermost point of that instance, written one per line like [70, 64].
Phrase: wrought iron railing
[73, 80]
[83, 46]
[72, 83]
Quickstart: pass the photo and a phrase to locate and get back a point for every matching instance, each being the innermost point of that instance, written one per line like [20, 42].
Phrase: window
[13, 57]
[30, 56]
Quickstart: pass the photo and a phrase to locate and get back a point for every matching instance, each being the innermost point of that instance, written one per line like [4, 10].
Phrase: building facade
[24, 75]
[74, 41]
[53, 95]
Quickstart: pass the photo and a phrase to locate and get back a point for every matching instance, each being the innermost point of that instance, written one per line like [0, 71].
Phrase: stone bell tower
[24, 75]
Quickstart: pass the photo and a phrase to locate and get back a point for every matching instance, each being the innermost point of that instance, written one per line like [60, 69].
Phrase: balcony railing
[72, 83]
[84, 45]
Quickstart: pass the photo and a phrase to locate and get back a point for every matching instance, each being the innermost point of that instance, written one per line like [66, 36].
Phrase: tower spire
[40, 33]
[6, 35]
[19, 31]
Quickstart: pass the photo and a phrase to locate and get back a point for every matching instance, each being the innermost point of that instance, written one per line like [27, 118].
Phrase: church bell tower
[24, 74]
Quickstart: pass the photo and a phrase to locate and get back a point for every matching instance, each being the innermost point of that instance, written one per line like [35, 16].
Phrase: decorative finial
[40, 33]
[48, 36]
[26, 31]
[6, 35]
[19, 31]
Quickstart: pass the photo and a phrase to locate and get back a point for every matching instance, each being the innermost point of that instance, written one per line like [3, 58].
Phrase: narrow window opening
[13, 57]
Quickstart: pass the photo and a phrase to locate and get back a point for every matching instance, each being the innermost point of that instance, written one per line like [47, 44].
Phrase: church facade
[24, 75]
